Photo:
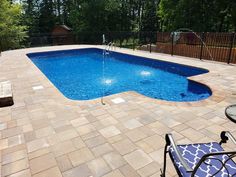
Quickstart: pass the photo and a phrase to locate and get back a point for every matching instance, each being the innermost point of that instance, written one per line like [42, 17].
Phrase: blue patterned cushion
[192, 153]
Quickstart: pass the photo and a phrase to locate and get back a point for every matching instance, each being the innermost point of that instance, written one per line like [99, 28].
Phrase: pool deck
[45, 134]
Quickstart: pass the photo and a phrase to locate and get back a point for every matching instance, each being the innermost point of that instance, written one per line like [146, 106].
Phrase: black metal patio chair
[201, 159]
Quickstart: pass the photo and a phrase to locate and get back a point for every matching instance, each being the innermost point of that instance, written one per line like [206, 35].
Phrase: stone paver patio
[45, 134]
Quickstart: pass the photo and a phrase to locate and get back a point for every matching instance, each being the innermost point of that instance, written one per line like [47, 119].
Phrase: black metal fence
[210, 46]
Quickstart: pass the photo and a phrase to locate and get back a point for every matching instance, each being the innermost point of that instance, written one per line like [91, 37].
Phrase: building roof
[65, 27]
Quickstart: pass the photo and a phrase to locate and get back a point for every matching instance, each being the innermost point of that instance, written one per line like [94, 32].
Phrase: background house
[62, 35]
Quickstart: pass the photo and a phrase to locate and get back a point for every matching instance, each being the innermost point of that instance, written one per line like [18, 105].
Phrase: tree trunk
[59, 10]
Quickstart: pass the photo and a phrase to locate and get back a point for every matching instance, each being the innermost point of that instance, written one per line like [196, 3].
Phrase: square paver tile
[116, 138]
[136, 135]
[124, 146]
[108, 121]
[170, 122]
[64, 163]
[63, 148]
[102, 149]
[3, 144]
[80, 121]
[67, 134]
[38, 153]
[115, 173]
[3, 126]
[40, 123]
[90, 135]
[97, 140]
[155, 141]
[23, 173]
[46, 131]
[147, 119]
[85, 129]
[12, 157]
[98, 167]
[98, 112]
[11, 132]
[42, 163]
[27, 128]
[138, 159]
[29, 136]
[63, 128]
[16, 140]
[78, 143]
[157, 155]
[133, 123]
[109, 131]
[128, 171]
[144, 146]
[114, 160]
[52, 172]
[80, 171]
[36, 145]
[15, 167]
[192, 134]
[149, 169]
[80, 156]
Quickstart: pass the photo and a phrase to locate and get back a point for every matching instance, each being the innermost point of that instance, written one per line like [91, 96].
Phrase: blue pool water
[79, 75]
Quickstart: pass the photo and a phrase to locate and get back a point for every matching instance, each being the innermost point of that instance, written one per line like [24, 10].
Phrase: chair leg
[163, 171]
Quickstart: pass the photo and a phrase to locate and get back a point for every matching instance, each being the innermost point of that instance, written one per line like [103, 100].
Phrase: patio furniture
[201, 159]
[230, 112]
[6, 96]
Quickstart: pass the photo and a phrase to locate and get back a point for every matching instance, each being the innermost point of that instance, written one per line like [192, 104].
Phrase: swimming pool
[84, 74]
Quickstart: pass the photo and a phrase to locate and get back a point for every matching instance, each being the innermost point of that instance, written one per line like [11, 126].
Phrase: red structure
[62, 35]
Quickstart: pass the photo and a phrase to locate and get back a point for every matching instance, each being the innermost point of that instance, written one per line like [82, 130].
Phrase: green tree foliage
[117, 15]
[150, 18]
[47, 18]
[91, 15]
[12, 33]
[100, 15]
[203, 15]
[131, 15]
[31, 15]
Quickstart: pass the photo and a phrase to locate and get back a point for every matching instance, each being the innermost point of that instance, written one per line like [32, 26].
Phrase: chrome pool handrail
[108, 48]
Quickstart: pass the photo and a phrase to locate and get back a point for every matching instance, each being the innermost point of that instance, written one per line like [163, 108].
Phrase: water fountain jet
[189, 30]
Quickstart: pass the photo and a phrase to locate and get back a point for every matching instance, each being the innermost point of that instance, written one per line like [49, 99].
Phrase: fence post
[120, 37]
[203, 37]
[172, 44]
[133, 40]
[231, 47]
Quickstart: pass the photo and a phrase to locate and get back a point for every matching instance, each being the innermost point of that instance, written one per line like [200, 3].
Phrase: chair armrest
[231, 155]
[170, 141]
[225, 136]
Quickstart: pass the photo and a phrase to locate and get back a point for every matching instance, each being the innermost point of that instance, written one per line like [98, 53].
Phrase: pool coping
[217, 93]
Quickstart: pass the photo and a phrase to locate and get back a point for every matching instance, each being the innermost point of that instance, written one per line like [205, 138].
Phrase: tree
[47, 18]
[31, 15]
[204, 15]
[96, 17]
[150, 18]
[12, 33]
